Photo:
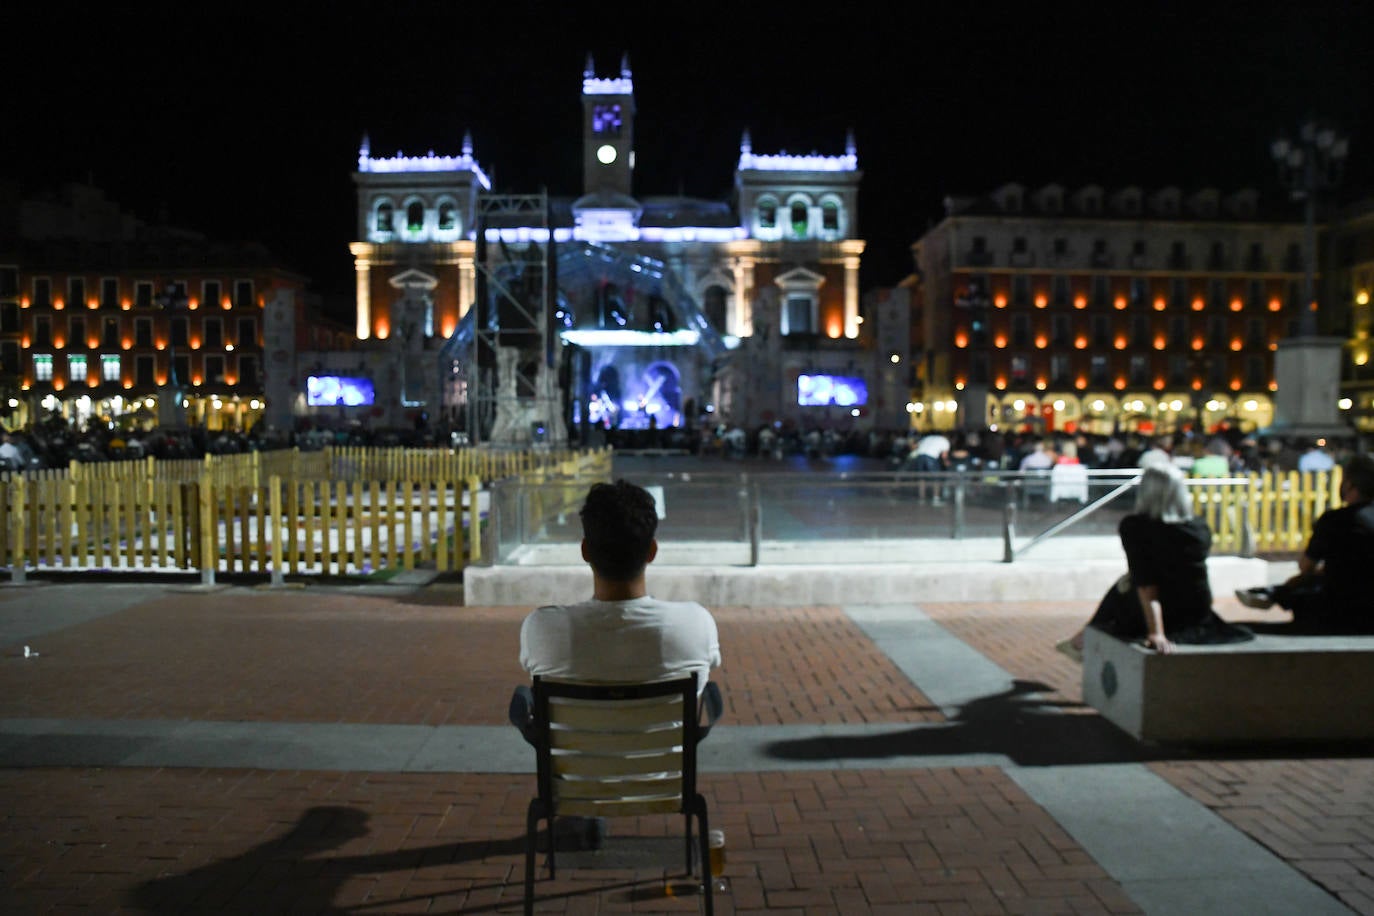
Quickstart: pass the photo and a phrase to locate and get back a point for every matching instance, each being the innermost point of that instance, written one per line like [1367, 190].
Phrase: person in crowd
[1215, 460]
[1165, 597]
[1040, 458]
[1330, 593]
[1316, 458]
[930, 455]
[1068, 452]
[1160, 450]
[10, 456]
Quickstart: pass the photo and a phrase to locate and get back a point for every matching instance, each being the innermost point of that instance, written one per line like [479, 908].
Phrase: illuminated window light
[1120, 303]
[1159, 304]
[1041, 342]
[1080, 302]
[1237, 305]
[1000, 301]
[1274, 305]
[1362, 297]
[1159, 342]
[961, 341]
[1361, 358]
[1119, 343]
[1080, 342]
[1041, 301]
[1236, 344]
[1198, 304]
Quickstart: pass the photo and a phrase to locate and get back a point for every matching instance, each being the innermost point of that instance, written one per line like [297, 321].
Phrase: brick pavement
[950, 839]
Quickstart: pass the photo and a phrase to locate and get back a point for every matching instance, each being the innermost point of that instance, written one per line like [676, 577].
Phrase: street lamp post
[1307, 366]
[1313, 162]
[170, 413]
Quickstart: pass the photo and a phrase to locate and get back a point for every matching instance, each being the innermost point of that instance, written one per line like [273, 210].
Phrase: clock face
[606, 120]
[605, 154]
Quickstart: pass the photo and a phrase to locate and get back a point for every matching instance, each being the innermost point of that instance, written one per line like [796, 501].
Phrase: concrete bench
[1274, 688]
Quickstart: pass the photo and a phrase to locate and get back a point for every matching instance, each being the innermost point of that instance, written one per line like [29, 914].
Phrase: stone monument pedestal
[1308, 373]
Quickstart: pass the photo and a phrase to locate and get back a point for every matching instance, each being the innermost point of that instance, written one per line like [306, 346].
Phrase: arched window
[448, 216]
[799, 218]
[768, 213]
[384, 218]
[415, 216]
[830, 216]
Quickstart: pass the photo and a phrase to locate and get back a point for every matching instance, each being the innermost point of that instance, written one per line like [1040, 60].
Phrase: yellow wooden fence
[1272, 511]
[341, 511]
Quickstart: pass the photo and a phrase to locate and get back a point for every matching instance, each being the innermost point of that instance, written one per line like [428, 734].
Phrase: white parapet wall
[925, 576]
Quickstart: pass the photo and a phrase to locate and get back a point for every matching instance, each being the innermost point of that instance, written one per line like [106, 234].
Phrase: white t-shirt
[933, 446]
[642, 639]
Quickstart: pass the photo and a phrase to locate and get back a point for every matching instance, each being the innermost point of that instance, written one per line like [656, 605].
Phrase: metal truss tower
[514, 398]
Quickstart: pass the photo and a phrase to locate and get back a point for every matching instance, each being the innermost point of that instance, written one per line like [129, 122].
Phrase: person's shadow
[294, 863]
[1013, 723]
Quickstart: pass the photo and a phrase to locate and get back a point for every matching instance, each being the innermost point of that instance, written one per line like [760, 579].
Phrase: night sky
[245, 124]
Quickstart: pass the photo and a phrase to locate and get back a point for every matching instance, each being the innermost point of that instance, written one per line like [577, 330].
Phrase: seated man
[1330, 593]
[621, 633]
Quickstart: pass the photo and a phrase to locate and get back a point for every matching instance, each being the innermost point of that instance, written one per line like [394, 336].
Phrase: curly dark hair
[619, 521]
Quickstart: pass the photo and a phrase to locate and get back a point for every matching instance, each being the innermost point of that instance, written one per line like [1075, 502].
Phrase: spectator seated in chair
[621, 634]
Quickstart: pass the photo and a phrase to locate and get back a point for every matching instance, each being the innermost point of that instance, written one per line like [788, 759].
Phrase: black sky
[244, 122]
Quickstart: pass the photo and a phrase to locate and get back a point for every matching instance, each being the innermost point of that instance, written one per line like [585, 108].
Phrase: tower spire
[850, 149]
[589, 71]
[467, 143]
[625, 65]
[746, 145]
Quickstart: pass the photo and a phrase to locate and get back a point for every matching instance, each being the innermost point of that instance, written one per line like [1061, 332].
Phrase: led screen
[824, 390]
[338, 390]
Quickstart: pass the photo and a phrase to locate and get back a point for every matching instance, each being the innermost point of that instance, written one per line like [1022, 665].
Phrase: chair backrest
[616, 750]
[1068, 481]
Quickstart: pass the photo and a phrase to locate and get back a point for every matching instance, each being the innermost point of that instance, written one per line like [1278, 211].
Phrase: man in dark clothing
[1331, 592]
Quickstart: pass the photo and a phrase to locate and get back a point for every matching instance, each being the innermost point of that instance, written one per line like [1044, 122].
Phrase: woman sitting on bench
[1165, 597]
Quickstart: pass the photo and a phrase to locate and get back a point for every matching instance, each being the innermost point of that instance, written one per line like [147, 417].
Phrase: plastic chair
[1069, 481]
[618, 750]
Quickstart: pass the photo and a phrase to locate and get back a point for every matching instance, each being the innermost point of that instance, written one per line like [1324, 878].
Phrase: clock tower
[608, 119]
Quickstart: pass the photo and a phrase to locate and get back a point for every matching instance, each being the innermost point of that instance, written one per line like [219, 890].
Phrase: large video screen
[338, 391]
[827, 390]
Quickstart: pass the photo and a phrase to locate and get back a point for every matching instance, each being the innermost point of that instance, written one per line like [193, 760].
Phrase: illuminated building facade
[102, 316]
[771, 274]
[1093, 309]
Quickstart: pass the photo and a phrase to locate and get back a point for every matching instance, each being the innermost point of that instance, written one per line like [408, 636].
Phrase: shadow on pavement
[1014, 723]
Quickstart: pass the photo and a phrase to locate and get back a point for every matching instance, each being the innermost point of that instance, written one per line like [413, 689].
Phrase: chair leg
[688, 819]
[704, 839]
[532, 818]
